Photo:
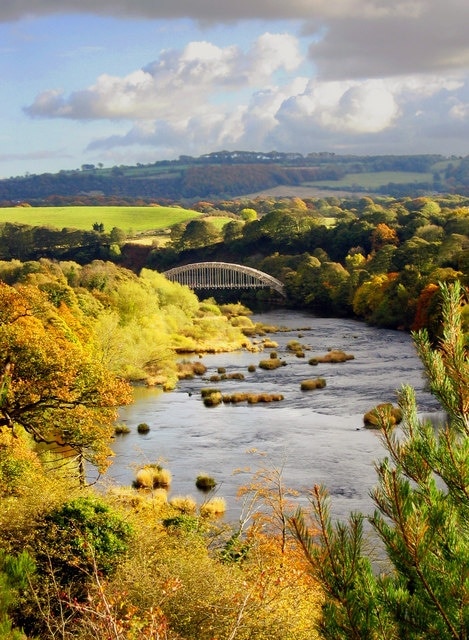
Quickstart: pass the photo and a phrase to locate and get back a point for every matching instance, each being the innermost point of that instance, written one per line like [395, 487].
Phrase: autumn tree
[421, 515]
[50, 385]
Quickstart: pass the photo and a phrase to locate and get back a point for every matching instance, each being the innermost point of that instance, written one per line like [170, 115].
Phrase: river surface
[316, 436]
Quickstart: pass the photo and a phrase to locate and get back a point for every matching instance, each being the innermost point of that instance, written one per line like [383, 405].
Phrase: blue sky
[127, 81]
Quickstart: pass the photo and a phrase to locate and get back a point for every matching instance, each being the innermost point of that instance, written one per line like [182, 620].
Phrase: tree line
[379, 260]
[228, 174]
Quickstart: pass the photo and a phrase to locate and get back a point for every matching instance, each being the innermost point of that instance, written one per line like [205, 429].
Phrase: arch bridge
[223, 275]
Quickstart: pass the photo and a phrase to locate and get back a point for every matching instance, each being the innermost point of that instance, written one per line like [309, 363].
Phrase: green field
[374, 180]
[132, 220]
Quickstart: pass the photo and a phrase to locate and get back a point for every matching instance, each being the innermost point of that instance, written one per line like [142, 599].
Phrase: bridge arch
[223, 275]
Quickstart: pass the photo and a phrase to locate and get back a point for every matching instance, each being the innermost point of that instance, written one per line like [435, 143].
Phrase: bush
[205, 483]
[121, 429]
[84, 533]
[143, 428]
[186, 523]
[316, 383]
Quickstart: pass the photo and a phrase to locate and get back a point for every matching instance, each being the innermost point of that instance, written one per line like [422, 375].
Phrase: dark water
[316, 436]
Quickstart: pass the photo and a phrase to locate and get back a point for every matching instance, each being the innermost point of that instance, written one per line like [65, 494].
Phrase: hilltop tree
[50, 385]
[421, 516]
[199, 233]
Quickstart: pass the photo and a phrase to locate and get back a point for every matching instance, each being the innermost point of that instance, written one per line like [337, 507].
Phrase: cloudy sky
[127, 81]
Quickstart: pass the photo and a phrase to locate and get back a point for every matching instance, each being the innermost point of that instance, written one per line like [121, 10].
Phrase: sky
[111, 82]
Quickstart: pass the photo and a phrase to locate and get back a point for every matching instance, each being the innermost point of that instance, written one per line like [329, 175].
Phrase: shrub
[314, 383]
[143, 427]
[82, 532]
[185, 522]
[213, 508]
[251, 368]
[205, 483]
[121, 429]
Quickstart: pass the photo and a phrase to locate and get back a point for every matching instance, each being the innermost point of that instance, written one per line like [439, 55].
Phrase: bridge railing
[223, 275]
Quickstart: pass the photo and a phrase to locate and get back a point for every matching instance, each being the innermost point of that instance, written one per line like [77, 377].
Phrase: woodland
[228, 174]
[80, 325]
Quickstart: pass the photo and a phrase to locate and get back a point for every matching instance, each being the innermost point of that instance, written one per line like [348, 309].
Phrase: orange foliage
[49, 383]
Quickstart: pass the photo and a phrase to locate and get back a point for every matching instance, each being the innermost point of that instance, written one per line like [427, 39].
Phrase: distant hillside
[233, 174]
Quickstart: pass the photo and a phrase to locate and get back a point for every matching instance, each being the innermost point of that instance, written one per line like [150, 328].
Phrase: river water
[317, 437]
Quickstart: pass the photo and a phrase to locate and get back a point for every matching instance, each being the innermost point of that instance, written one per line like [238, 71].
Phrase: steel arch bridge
[223, 275]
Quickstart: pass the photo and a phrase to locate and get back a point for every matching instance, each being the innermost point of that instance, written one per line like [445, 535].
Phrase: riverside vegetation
[129, 563]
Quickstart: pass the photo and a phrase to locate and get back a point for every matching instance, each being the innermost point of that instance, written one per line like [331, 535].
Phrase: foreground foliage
[422, 515]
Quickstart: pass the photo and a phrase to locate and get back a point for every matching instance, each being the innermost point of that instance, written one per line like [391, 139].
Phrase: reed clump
[271, 363]
[252, 398]
[386, 410]
[188, 370]
[313, 383]
[227, 376]
[184, 504]
[334, 356]
[211, 397]
[152, 476]
[213, 508]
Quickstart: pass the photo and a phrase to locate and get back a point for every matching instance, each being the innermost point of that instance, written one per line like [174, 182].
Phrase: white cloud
[176, 85]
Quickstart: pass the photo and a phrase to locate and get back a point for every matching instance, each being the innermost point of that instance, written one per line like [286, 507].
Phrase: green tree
[421, 516]
[199, 233]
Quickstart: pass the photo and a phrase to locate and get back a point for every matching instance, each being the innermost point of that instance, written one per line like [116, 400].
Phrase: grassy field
[132, 220]
[374, 180]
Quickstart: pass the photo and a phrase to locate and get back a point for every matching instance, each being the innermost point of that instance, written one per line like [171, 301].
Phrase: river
[317, 437]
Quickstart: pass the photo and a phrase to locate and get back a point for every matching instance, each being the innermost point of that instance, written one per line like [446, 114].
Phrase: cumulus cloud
[381, 75]
[385, 116]
[177, 84]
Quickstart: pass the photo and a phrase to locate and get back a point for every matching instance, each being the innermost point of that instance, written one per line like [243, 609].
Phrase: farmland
[132, 220]
[374, 180]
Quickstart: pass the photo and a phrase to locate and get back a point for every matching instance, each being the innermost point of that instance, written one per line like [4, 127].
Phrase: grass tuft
[213, 508]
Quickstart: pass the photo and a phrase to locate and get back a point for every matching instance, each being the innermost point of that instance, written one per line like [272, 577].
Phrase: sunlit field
[129, 219]
[375, 179]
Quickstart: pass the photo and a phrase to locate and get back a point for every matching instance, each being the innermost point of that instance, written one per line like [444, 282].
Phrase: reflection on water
[317, 436]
